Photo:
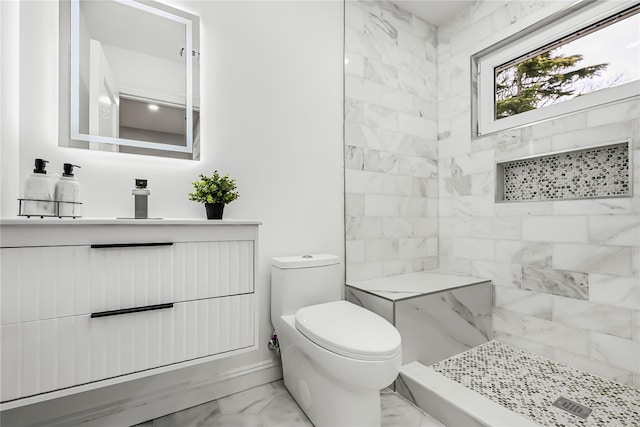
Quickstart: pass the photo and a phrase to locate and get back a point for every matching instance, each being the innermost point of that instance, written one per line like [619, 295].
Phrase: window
[585, 58]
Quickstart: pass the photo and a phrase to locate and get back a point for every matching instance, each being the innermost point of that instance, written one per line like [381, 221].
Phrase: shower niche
[586, 173]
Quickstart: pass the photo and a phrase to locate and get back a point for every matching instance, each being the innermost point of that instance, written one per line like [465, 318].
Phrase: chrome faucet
[141, 194]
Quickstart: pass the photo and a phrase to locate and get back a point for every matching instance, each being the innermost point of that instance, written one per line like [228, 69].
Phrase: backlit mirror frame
[75, 133]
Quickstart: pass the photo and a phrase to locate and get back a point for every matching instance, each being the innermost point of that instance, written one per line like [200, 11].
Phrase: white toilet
[336, 356]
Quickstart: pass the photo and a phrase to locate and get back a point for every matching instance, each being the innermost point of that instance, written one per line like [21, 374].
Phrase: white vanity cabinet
[84, 301]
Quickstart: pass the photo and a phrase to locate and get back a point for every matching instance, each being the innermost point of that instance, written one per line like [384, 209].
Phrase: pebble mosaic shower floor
[529, 384]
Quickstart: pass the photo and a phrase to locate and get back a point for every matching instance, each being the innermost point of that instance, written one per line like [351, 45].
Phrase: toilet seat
[349, 330]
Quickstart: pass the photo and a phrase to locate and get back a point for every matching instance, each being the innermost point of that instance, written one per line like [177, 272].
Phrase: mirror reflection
[133, 86]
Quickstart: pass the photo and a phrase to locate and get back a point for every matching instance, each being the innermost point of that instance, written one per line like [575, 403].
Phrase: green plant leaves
[214, 189]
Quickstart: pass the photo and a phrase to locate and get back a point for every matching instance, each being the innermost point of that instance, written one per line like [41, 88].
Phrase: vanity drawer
[40, 283]
[46, 355]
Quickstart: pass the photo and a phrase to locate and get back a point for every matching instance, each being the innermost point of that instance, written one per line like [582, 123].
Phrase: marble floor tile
[284, 412]
[250, 401]
[271, 405]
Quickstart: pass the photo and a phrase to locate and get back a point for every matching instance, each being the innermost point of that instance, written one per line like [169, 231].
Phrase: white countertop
[123, 221]
[413, 285]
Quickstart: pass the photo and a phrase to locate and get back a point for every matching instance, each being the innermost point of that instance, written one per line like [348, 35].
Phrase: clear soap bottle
[67, 193]
[38, 192]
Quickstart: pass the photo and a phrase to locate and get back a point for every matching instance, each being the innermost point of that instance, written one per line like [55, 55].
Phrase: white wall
[271, 117]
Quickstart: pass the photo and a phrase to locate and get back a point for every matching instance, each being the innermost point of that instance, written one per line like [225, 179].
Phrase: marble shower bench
[439, 314]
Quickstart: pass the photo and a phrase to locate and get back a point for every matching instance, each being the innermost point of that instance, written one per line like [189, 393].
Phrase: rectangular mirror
[129, 78]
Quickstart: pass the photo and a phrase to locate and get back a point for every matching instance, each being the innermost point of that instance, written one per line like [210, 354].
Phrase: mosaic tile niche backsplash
[579, 174]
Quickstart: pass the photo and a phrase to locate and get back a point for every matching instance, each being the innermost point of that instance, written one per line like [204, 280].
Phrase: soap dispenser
[38, 192]
[67, 193]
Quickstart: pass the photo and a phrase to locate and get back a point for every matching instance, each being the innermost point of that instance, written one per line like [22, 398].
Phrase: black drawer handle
[129, 245]
[131, 310]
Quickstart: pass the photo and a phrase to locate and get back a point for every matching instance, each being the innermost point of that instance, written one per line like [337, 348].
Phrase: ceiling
[435, 12]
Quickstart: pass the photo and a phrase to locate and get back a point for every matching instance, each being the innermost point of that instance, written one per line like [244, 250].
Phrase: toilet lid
[349, 330]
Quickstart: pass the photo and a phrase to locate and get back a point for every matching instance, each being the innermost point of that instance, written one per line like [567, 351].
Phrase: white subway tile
[414, 207]
[475, 249]
[614, 290]
[594, 317]
[478, 162]
[381, 117]
[501, 274]
[364, 271]
[353, 158]
[355, 251]
[592, 258]
[398, 100]
[455, 265]
[353, 134]
[524, 208]
[483, 184]
[354, 15]
[588, 365]
[353, 110]
[527, 253]
[522, 301]
[354, 64]
[467, 206]
[565, 124]
[622, 230]
[449, 146]
[363, 90]
[363, 228]
[413, 84]
[501, 227]
[423, 29]
[397, 185]
[425, 227]
[542, 331]
[620, 111]
[358, 181]
[618, 352]
[378, 205]
[417, 247]
[381, 249]
[412, 43]
[599, 135]
[397, 227]
[383, 74]
[455, 226]
[572, 284]
[354, 205]
[593, 207]
[555, 229]
[524, 344]
[522, 148]
[414, 125]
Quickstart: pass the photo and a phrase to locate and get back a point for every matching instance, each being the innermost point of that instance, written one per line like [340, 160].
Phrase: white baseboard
[135, 406]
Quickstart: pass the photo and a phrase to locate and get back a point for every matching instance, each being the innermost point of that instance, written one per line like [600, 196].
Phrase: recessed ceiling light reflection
[153, 107]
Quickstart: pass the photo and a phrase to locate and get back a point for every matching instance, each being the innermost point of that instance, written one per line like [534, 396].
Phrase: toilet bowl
[336, 356]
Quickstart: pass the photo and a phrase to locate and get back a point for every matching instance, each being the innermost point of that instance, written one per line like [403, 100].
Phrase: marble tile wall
[566, 274]
[440, 325]
[390, 141]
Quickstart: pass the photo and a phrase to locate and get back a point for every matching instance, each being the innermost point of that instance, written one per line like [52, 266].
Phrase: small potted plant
[214, 191]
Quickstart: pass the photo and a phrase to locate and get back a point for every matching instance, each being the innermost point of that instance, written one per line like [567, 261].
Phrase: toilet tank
[303, 280]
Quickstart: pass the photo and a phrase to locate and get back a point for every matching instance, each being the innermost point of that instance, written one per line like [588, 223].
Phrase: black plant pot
[214, 210]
